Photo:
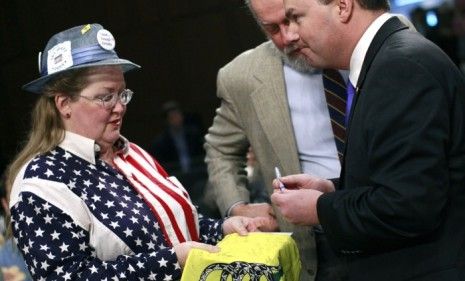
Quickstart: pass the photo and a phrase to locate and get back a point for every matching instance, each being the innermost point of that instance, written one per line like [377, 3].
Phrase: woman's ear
[345, 9]
[62, 103]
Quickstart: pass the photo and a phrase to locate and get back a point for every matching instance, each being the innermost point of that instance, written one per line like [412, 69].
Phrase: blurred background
[180, 44]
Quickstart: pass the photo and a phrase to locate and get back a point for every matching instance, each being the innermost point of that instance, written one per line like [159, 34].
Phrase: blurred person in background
[179, 149]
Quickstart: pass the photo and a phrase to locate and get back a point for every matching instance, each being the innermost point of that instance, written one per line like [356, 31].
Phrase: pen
[278, 177]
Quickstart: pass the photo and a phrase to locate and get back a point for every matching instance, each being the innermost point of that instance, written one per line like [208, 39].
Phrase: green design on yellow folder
[258, 256]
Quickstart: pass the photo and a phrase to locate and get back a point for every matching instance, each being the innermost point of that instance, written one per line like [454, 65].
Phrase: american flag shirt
[75, 217]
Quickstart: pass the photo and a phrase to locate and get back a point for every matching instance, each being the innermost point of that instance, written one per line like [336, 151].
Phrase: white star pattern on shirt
[114, 224]
[67, 276]
[59, 270]
[49, 173]
[56, 237]
[46, 206]
[48, 219]
[39, 232]
[110, 204]
[93, 269]
[64, 247]
[128, 232]
[162, 262]
[29, 220]
[120, 214]
[44, 265]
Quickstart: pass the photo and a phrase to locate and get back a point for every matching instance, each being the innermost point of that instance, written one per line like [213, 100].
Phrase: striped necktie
[335, 92]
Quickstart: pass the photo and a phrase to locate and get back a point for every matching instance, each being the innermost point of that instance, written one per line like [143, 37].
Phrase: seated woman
[86, 204]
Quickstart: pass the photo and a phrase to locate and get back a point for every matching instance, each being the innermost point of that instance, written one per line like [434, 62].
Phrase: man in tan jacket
[272, 101]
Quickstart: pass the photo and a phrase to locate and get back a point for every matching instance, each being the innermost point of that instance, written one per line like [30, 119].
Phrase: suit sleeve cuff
[323, 207]
[228, 212]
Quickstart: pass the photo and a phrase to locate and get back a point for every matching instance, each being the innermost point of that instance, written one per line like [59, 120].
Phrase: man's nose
[289, 34]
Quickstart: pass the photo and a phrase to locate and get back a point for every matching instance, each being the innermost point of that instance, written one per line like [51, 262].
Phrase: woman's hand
[182, 250]
[258, 210]
[243, 225]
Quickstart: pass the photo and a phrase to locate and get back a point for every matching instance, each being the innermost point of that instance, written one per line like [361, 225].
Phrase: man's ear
[345, 9]
[62, 103]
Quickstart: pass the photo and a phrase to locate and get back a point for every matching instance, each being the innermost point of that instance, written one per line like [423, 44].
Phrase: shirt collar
[358, 55]
[87, 148]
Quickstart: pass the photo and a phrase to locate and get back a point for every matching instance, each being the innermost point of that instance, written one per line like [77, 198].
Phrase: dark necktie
[335, 92]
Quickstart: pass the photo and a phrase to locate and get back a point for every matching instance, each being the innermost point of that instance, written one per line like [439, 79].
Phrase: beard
[294, 60]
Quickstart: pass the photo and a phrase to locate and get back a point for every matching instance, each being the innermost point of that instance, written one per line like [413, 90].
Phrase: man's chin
[295, 59]
[298, 62]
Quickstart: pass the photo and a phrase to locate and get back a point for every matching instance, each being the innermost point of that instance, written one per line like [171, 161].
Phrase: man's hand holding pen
[278, 178]
[297, 202]
[304, 181]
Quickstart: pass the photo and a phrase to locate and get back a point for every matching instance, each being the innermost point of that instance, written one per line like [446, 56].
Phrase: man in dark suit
[398, 212]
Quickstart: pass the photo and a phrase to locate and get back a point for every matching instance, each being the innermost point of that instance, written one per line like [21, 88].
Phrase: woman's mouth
[116, 122]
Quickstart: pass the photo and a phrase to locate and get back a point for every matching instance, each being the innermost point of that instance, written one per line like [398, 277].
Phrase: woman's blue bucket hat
[78, 47]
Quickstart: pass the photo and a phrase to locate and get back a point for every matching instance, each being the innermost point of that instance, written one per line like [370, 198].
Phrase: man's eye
[272, 29]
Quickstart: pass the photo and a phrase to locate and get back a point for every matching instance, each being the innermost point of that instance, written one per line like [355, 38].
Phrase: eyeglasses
[109, 101]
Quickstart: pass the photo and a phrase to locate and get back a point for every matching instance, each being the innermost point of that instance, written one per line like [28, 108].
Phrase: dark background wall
[180, 44]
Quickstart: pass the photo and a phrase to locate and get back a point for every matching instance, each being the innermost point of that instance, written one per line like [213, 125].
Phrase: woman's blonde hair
[47, 129]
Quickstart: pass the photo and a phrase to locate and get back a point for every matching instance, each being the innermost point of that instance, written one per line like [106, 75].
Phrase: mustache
[291, 48]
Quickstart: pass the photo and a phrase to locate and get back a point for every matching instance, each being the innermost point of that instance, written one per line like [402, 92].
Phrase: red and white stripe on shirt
[165, 196]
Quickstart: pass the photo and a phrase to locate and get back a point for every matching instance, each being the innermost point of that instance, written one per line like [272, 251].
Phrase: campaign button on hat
[105, 39]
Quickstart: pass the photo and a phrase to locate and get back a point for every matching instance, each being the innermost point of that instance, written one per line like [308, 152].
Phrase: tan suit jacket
[254, 111]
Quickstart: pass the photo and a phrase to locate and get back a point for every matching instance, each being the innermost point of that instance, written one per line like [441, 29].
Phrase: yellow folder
[259, 256]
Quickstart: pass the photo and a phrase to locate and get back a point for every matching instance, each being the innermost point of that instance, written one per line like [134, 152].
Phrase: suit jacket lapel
[272, 110]
[390, 26]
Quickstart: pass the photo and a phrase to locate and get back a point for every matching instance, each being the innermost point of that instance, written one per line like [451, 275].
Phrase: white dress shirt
[360, 50]
[311, 122]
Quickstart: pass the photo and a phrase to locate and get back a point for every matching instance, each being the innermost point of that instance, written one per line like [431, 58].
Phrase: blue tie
[350, 98]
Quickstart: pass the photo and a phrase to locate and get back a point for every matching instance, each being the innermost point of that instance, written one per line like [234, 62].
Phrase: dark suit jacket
[400, 210]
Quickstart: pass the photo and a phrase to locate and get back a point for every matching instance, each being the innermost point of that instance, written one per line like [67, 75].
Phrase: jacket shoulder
[250, 60]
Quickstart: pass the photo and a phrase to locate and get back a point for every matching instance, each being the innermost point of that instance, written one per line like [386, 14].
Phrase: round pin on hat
[106, 39]
[81, 46]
